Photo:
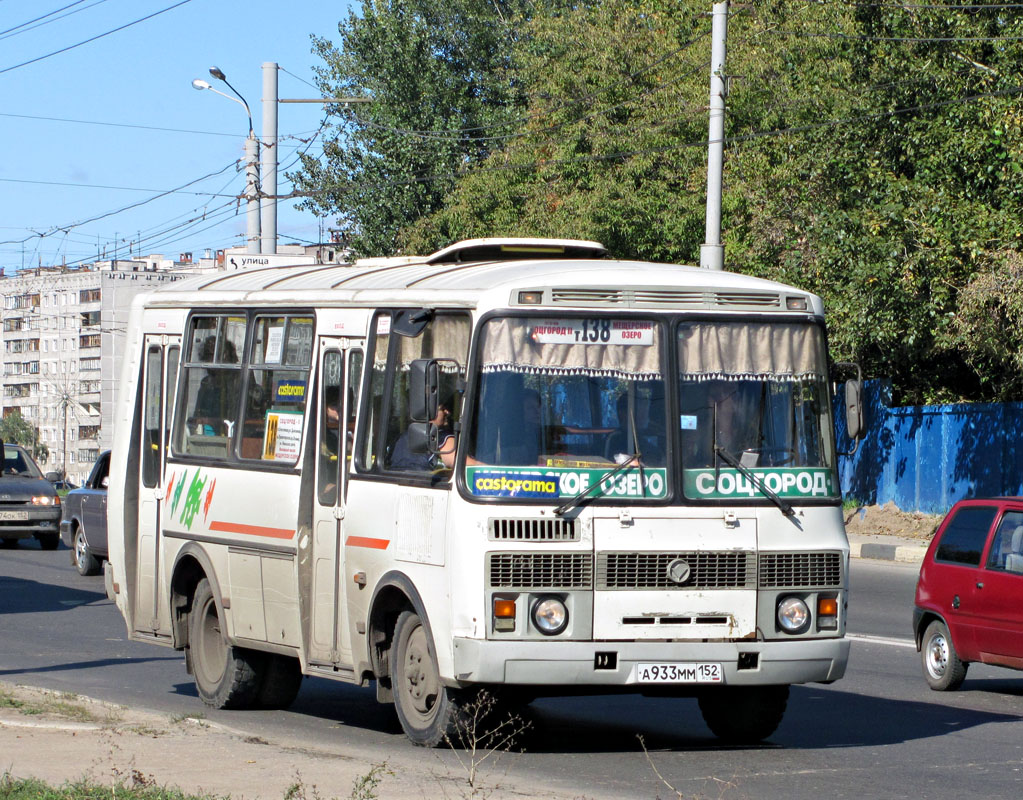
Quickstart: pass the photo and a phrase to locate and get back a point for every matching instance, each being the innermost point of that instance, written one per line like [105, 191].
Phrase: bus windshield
[562, 401]
[755, 394]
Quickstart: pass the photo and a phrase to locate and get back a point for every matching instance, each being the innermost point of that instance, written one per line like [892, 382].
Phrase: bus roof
[507, 266]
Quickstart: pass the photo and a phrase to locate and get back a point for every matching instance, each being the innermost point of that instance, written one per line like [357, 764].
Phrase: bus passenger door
[340, 363]
[159, 381]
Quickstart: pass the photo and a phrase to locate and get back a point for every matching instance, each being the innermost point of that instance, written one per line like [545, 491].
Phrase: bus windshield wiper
[570, 504]
[732, 461]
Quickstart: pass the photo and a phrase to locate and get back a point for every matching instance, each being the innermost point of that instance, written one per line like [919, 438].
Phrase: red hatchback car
[969, 598]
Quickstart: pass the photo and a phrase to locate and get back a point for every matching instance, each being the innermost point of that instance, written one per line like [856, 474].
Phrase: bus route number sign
[598, 331]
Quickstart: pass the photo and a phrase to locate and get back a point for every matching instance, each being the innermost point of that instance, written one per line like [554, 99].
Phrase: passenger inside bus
[216, 401]
[403, 458]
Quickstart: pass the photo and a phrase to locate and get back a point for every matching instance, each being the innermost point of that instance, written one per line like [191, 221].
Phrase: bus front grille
[532, 530]
[724, 570]
[802, 570]
[540, 570]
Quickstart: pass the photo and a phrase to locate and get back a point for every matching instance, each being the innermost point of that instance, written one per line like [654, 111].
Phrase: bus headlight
[550, 616]
[793, 615]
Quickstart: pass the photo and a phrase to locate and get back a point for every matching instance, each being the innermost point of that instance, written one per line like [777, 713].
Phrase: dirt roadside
[60, 738]
[888, 520]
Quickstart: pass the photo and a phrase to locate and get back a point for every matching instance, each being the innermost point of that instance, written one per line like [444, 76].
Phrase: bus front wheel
[225, 676]
[744, 714]
[427, 710]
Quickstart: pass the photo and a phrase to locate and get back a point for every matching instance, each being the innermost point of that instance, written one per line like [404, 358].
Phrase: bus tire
[744, 714]
[282, 678]
[427, 710]
[225, 676]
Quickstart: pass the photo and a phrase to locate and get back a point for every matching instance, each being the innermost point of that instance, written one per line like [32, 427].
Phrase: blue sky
[50, 169]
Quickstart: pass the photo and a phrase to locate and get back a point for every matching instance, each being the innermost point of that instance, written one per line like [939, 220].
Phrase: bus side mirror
[854, 408]
[423, 389]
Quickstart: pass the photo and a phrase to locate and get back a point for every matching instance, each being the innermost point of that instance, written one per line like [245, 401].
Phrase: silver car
[83, 526]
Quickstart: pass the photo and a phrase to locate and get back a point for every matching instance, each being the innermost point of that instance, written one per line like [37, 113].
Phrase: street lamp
[251, 161]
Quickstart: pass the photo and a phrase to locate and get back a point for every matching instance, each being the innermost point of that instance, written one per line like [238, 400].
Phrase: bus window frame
[676, 320]
[233, 459]
[664, 324]
[367, 418]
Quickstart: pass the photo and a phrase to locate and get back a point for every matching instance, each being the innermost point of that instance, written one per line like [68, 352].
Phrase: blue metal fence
[925, 458]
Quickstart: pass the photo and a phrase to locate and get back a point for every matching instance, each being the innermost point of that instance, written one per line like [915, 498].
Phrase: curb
[906, 554]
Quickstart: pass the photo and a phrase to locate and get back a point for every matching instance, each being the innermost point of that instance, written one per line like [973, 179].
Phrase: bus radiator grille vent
[803, 570]
[532, 530]
[727, 570]
[540, 570]
[664, 298]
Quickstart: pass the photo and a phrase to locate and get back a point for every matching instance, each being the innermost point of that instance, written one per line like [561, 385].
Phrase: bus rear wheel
[427, 710]
[744, 714]
[225, 676]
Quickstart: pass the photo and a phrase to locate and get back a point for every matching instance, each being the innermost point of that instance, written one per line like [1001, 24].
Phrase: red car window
[962, 541]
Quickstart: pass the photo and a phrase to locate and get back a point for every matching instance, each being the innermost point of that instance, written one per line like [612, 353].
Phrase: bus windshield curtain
[751, 351]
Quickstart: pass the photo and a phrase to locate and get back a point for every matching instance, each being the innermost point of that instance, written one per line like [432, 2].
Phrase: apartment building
[62, 337]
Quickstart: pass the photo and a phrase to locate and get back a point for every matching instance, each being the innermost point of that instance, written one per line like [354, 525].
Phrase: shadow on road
[816, 719]
[21, 596]
[76, 665]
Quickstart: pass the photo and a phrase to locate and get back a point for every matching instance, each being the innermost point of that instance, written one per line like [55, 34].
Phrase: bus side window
[446, 337]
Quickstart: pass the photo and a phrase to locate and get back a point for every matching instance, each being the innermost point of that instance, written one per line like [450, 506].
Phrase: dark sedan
[29, 505]
[83, 526]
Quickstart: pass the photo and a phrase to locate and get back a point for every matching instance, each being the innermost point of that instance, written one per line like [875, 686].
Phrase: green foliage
[135, 787]
[436, 72]
[874, 156]
[17, 430]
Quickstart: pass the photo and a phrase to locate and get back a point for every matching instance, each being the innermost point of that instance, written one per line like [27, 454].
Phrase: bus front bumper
[614, 664]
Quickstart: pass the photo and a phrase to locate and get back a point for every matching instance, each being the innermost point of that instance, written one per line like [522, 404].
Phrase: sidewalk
[887, 548]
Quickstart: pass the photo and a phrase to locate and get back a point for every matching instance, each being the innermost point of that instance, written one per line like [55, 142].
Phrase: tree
[15, 429]
[436, 72]
[874, 157]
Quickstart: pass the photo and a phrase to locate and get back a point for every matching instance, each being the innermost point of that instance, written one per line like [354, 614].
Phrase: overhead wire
[94, 38]
[31, 27]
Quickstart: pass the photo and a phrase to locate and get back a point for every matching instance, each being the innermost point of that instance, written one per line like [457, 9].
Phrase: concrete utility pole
[712, 252]
[268, 199]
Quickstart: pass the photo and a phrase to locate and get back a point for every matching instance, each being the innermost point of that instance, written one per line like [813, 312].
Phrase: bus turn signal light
[504, 615]
[827, 613]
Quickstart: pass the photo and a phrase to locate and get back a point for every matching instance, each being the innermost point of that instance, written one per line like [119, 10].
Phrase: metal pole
[252, 193]
[712, 252]
[268, 198]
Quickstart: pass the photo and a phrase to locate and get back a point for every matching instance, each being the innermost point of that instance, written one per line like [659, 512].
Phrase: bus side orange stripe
[365, 541]
[253, 530]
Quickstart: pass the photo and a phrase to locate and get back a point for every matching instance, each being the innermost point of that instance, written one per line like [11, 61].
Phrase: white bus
[513, 465]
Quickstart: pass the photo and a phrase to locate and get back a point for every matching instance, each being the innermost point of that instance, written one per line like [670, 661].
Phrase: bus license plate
[701, 672]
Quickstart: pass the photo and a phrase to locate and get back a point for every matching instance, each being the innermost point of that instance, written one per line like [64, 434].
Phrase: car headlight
[550, 616]
[793, 615]
[45, 500]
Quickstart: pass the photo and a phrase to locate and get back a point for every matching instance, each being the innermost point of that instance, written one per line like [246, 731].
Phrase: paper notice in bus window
[283, 436]
[274, 345]
[598, 331]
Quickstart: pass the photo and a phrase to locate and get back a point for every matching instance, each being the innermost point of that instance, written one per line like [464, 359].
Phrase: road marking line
[863, 637]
